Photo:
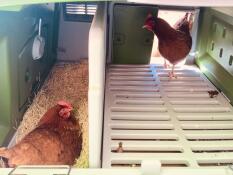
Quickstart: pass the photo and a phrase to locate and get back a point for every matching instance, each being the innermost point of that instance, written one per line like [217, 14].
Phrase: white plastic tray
[173, 121]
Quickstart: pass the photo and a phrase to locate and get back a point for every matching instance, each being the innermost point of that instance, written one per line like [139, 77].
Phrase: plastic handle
[40, 23]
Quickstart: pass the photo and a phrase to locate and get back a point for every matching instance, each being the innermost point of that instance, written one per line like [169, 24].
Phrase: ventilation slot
[212, 45]
[147, 151]
[215, 164]
[125, 165]
[215, 28]
[221, 52]
[212, 151]
[139, 165]
[224, 32]
[230, 60]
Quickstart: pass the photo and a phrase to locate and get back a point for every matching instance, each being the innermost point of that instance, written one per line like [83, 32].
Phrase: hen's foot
[172, 75]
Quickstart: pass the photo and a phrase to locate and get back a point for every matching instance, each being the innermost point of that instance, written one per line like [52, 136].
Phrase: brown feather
[174, 44]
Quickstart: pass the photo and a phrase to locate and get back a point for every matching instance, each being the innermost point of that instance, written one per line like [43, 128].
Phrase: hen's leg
[172, 74]
[165, 64]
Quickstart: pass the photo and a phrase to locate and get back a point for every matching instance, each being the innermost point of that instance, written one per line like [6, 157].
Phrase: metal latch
[150, 167]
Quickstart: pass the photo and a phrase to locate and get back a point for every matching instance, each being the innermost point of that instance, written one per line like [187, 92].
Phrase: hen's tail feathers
[181, 21]
[186, 16]
[191, 20]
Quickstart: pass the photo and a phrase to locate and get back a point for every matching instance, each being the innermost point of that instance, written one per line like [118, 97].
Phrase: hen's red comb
[64, 104]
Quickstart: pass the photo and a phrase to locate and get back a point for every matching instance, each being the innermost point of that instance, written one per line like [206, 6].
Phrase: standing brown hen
[174, 43]
[57, 140]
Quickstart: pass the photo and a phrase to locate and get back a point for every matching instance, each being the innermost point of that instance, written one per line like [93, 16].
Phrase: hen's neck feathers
[52, 119]
[163, 30]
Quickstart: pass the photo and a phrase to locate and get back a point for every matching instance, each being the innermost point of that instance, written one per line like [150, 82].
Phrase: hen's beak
[145, 27]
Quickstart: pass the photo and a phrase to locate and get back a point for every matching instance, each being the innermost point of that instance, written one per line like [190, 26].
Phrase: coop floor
[171, 120]
[69, 82]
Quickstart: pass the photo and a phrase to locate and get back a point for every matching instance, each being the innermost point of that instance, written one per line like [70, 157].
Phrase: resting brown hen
[57, 140]
[174, 43]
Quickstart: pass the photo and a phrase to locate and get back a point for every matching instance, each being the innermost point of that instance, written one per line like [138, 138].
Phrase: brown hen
[57, 140]
[174, 43]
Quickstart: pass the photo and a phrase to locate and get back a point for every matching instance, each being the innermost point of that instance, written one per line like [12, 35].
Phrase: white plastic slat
[205, 116]
[134, 88]
[144, 135]
[209, 134]
[129, 66]
[141, 108]
[149, 74]
[134, 95]
[180, 74]
[134, 78]
[137, 83]
[188, 95]
[212, 145]
[198, 109]
[130, 70]
[136, 158]
[141, 125]
[183, 84]
[182, 70]
[214, 157]
[139, 102]
[143, 116]
[207, 125]
[147, 145]
[194, 102]
[182, 78]
[187, 89]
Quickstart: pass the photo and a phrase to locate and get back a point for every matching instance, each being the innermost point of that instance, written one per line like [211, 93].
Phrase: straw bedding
[67, 81]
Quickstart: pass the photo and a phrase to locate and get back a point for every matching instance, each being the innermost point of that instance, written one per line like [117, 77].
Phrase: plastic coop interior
[173, 121]
[165, 126]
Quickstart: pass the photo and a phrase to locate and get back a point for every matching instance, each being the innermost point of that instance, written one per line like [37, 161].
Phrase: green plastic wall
[215, 48]
[131, 43]
[20, 75]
